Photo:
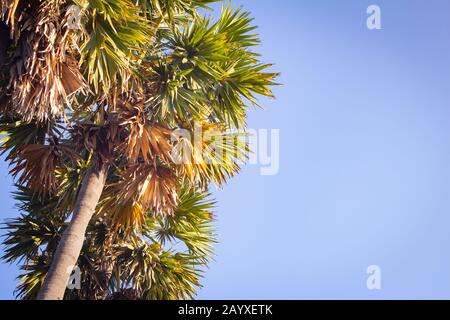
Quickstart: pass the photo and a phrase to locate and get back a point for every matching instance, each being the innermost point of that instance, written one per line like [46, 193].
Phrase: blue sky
[364, 179]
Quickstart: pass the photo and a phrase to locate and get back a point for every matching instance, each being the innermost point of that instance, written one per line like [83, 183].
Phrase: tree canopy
[157, 93]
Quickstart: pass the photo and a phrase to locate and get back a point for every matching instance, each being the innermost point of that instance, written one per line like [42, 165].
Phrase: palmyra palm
[140, 265]
[119, 114]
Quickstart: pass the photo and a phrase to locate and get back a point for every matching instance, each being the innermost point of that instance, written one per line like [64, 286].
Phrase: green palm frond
[38, 227]
[170, 9]
[155, 273]
[32, 279]
[210, 69]
[27, 234]
[15, 134]
[191, 224]
[116, 30]
[69, 180]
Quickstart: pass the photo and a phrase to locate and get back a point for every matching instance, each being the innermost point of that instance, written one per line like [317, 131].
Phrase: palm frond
[191, 224]
[27, 234]
[15, 134]
[115, 31]
[100, 140]
[35, 166]
[145, 140]
[157, 274]
[32, 279]
[9, 13]
[44, 76]
[128, 216]
[153, 187]
[212, 154]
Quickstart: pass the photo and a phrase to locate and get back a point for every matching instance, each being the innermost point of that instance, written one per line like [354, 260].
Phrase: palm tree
[149, 264]
[138, 99]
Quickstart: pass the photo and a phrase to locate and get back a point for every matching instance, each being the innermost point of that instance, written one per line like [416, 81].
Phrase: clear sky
[364, 179]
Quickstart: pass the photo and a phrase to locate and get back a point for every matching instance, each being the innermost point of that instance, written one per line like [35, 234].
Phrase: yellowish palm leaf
[153, 187]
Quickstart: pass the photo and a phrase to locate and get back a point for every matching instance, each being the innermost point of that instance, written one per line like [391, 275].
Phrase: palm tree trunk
[70, 245]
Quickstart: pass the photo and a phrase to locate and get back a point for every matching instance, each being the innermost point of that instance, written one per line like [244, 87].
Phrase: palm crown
[125, 111]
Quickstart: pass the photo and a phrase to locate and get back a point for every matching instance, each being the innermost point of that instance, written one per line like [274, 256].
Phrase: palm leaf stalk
[109, 96]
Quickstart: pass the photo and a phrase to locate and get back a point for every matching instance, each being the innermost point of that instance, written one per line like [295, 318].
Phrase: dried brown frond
[101, 140]
[9, 13]
[153, 187]
[44, 76]
[35, 166]
[145, 140]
